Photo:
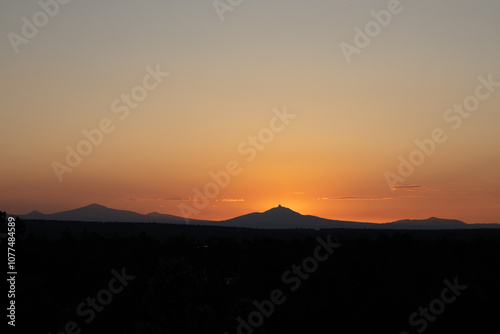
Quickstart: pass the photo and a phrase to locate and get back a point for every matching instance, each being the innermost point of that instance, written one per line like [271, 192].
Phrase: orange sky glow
[141, 116]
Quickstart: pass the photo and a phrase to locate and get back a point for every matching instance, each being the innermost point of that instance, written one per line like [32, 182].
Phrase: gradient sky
[353, 120]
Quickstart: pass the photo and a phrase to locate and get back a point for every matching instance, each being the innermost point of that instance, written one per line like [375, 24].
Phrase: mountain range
[276, 218]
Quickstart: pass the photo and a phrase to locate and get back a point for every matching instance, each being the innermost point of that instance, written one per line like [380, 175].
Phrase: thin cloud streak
[355, 198]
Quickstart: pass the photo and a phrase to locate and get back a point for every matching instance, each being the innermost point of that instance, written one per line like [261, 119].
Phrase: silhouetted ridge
[34, 215]
[94, 206]
[281, 210]
[429, 223]
[279, 217]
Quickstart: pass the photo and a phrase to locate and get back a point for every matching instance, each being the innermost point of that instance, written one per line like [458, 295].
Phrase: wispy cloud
[178, 199]
[410, 187]
[142, 199]
[233, 200]
[138, 199]
[416, 196]
[355, 198]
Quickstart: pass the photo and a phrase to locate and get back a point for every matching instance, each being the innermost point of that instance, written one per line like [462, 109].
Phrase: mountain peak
[34, 215]
[281, 210]
[95, 206]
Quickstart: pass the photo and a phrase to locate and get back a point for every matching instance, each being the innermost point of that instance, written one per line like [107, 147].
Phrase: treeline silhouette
[196, 279]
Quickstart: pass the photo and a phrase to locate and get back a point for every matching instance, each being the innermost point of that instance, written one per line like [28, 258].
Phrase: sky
[354, 110]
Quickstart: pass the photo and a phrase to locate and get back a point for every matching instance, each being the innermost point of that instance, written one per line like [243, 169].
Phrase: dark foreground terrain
[150, 278]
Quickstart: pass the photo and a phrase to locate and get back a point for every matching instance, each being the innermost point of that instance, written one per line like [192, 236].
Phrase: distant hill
[429, 223]
[285, 218]
[276, 218]
[92, 212]
[100, 213]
